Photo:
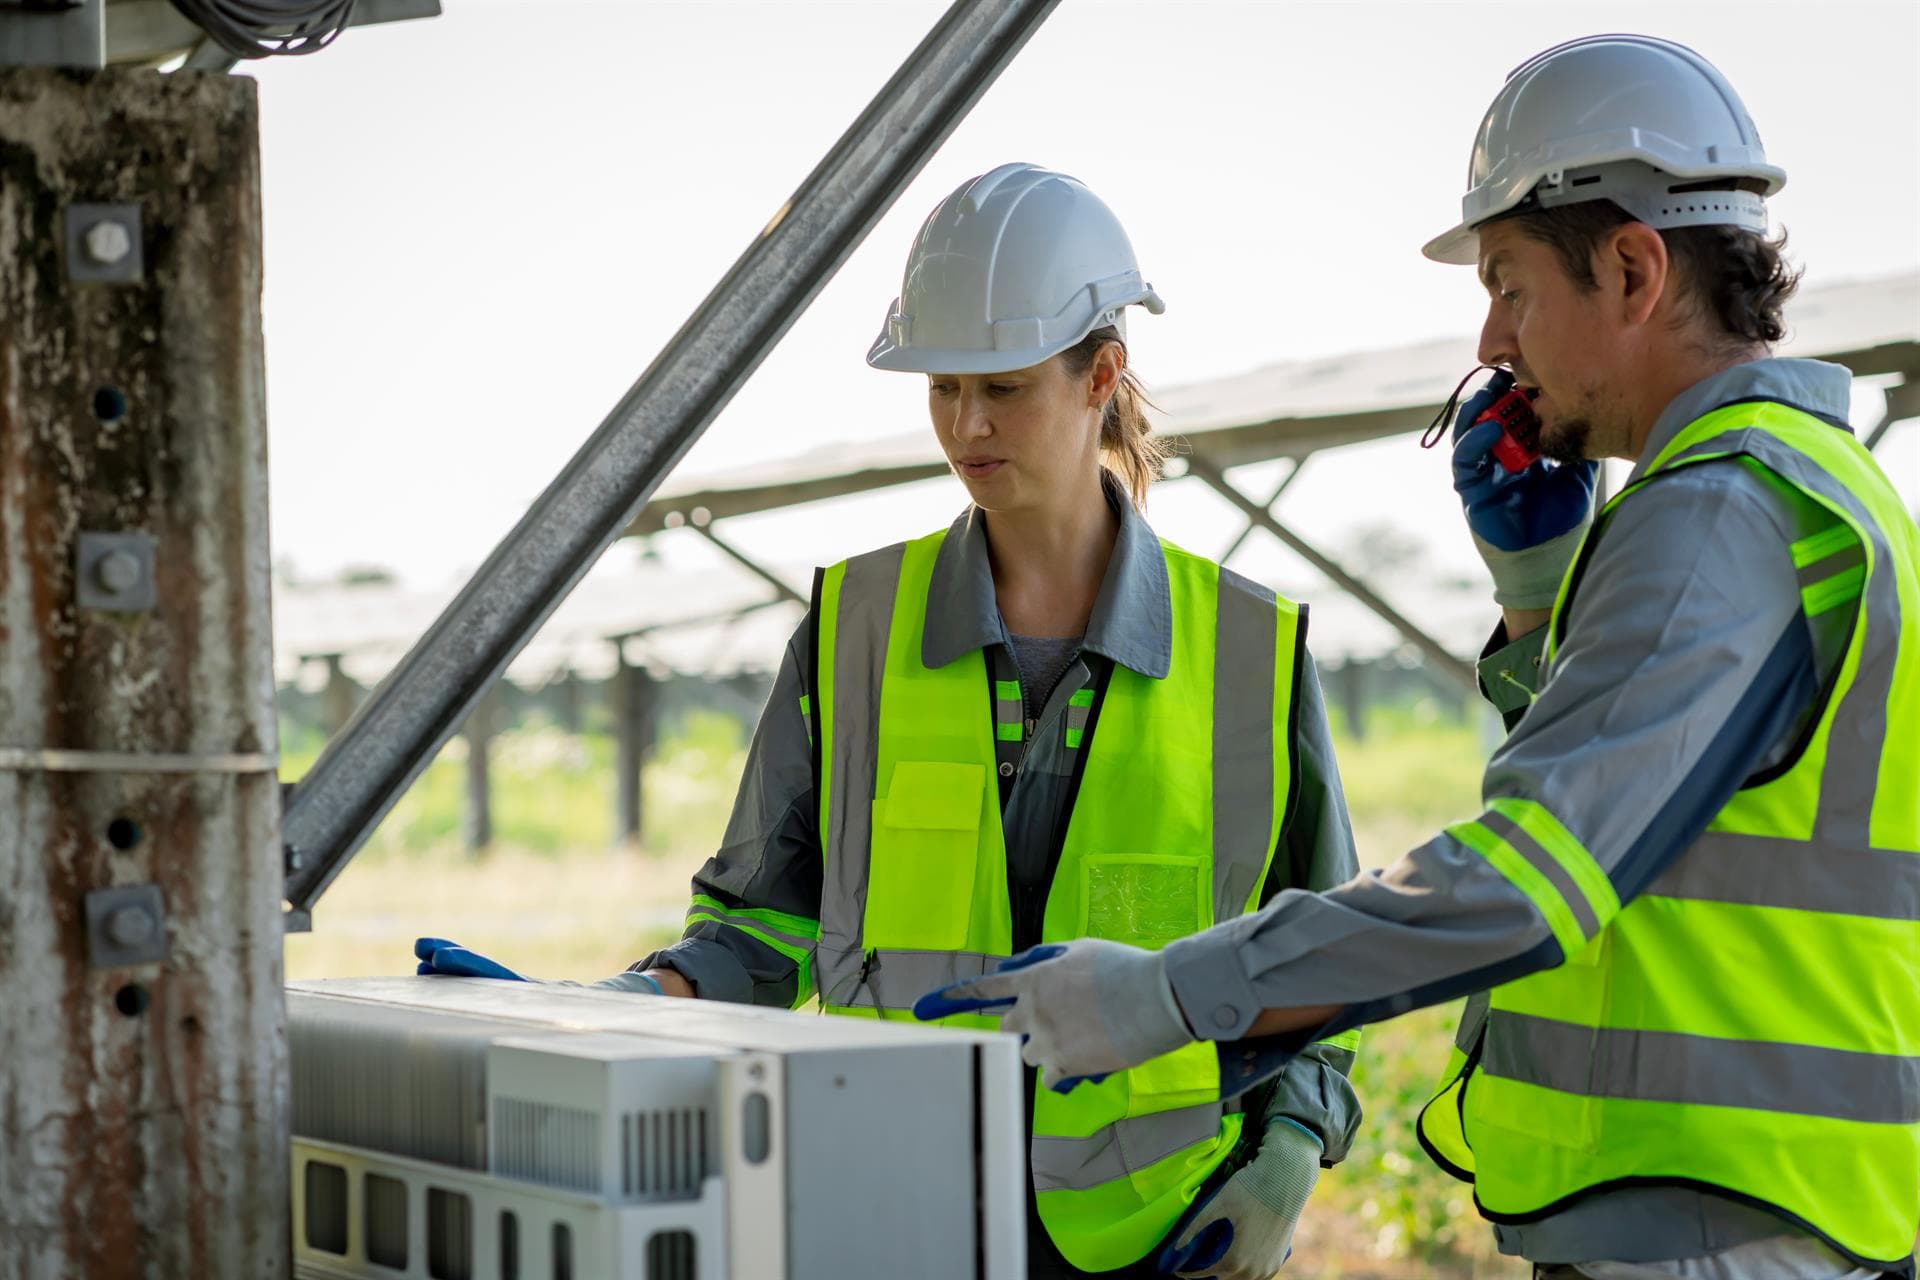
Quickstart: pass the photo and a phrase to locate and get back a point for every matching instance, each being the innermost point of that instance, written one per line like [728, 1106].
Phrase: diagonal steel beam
[1246, 530]
[397, 731]
[1903, 402]
[768, 576]
[1250, 507]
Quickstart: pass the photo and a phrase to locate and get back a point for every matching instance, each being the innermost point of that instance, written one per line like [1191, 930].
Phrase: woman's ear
[1108, 363]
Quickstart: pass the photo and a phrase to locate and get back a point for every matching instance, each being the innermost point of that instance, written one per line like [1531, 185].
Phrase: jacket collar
[1132, 619]
[1813, 385]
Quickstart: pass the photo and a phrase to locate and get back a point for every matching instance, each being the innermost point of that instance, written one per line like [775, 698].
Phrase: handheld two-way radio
[1519, 444]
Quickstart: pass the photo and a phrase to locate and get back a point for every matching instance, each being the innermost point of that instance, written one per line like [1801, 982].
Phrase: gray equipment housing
[666, 1139]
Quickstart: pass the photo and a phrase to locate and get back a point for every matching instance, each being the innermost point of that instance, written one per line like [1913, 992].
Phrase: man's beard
[1585, 430]
[1566, 440]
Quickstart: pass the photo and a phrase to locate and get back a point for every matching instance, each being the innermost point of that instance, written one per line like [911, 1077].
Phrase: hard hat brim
[1459, 247]
[885, 355]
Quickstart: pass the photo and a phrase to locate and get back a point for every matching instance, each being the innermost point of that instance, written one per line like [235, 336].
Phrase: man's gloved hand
[443, 958]
[1526, 524]
[1084, 1009]
[1245, 1232]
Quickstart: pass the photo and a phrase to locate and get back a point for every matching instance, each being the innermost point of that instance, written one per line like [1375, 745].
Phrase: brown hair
[1738, 278]
[1128, 446]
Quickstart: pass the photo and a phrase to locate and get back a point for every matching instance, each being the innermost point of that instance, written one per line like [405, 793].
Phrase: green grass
[1407, 1206]
[1416, 764]
[552, 792]
[1416, 770]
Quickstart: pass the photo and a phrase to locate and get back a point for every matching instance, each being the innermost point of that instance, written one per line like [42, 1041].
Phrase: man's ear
[1632, 262]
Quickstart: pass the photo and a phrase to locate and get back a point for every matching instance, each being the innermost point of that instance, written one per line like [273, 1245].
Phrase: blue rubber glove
[440, 957]
[1528, 524]
[451, 960]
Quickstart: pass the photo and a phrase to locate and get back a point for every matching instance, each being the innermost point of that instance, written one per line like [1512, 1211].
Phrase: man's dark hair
[1740, 278]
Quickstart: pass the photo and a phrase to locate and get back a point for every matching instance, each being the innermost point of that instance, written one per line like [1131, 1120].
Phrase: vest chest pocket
[925, 856]
[1144, 899]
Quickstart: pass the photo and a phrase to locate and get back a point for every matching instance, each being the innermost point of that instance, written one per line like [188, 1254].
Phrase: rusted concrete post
[142, 1061]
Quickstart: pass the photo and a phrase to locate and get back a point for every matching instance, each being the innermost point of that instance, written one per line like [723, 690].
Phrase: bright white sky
[480, 228]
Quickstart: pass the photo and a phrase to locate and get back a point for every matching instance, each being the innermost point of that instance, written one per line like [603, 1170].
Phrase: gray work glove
[1085, 1009]
[1245, 1232]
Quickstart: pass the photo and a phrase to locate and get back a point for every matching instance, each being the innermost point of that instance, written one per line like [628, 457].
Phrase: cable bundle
[264, 28]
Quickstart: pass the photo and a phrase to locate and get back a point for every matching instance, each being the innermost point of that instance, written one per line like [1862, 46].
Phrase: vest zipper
[1026, 745]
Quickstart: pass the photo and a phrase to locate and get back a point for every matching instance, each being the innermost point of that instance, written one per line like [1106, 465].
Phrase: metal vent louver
[665, 1154]
[553, 1146]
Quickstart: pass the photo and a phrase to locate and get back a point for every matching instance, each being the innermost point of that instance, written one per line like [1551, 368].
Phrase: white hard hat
[1648, 124]
[1015, 266]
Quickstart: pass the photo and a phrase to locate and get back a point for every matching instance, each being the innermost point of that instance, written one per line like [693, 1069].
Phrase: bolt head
[117, 572]
[108, 242]
[129, 927]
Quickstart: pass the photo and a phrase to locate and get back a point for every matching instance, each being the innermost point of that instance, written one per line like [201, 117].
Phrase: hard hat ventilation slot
[1717, 184]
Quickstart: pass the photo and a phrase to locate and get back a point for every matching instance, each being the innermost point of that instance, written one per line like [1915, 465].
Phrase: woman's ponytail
[1128, 446]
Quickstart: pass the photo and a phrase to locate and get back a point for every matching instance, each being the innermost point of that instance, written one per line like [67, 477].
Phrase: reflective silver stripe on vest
[1858, 735]
[1547, 865]
[859, 661]
[1243, 711]
[1122, 1148]
[895, 979]
[1770, 871]
[1008, 711]
[1832, 565]
[752, 924]
[1666, 1066]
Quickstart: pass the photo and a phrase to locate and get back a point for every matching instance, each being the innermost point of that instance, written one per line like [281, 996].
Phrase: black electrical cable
[265, 28]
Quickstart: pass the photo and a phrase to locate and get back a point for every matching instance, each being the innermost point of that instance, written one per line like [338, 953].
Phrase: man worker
[1687, 916]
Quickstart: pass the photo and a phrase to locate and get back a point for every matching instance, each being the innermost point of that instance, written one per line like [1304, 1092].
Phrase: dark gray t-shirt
[1042, 661]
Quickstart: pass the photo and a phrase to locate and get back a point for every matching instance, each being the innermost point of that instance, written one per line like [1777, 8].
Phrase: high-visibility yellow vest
[1750, 1023]
[1184, 784]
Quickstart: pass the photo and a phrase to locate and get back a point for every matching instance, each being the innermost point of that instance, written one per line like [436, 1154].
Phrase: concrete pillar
[635, 697]
[564, 700]
[340, 696]
[143, 1124]
[477, 819]
[1352, 676]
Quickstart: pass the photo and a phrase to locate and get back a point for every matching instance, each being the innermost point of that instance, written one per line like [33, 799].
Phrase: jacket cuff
[1214, 994]
[1314, 1093]
[715, 972]
[1510, 676]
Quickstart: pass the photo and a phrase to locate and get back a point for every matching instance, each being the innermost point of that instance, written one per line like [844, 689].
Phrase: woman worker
[1038, 724]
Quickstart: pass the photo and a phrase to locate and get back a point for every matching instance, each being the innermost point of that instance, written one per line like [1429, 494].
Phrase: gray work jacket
[770, 857]
[1689, 666]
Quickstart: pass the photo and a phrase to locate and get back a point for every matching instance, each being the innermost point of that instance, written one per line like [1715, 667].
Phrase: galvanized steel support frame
[1434, 652]
[397, 731]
